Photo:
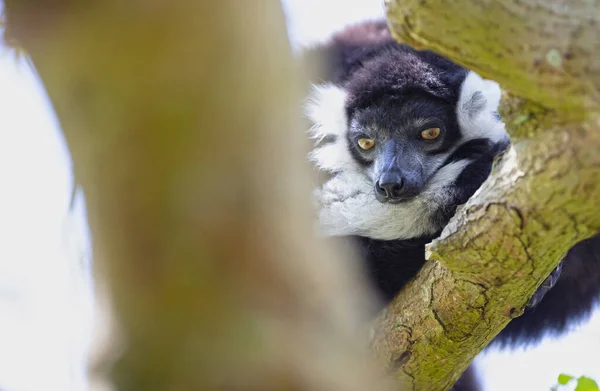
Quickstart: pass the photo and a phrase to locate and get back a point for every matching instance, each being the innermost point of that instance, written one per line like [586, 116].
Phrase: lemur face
[401, 142]
[394, 136]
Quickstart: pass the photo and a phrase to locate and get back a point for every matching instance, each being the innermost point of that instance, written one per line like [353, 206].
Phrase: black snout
[389, 191]
[391, 186]
[401, 175]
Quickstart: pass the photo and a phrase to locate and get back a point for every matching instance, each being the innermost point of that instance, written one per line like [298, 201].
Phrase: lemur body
[404, 137]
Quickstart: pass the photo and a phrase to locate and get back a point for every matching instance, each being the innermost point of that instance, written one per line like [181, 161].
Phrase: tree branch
[541, 198]
[182, 121]
[545, 51]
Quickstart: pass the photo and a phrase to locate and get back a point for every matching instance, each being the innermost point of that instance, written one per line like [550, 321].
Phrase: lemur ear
[477, 108]
[478, 94]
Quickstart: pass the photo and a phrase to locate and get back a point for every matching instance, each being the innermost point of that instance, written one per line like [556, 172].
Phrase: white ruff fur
[347, 201]
[349, 207]
[481, 123]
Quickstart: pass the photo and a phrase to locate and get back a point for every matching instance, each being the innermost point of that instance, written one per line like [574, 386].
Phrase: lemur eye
[431, 133]
[366, 143]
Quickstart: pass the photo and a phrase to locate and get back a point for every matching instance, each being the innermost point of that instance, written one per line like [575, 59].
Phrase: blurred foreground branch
[181, 118]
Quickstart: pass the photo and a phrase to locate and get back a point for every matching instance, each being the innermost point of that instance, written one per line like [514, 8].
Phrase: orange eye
[366, 143]
[431, 133]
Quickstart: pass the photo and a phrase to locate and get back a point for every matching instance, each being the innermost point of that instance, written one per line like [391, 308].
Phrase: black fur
[472, 177]
[374, 69]
[382, 259]
[569, 302]
[468, 381]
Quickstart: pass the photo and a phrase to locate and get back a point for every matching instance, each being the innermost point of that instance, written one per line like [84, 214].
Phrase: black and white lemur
[404, 137]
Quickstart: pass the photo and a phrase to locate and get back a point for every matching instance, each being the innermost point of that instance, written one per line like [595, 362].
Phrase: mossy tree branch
[545, 51]
[542, 196]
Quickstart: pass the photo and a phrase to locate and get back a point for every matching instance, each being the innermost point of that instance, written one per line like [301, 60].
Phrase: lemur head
[395, 129]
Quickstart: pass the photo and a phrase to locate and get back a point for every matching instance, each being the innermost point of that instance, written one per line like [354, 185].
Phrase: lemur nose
[390, 191]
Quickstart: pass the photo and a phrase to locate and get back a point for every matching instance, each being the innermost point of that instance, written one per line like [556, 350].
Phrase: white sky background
[45, 308]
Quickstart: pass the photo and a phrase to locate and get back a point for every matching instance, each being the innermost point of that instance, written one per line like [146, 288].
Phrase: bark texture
[543, 194]
[182, 121]
[545, 51]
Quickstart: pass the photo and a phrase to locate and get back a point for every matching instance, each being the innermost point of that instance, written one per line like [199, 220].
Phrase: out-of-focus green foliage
[584, 383]
[564, 379]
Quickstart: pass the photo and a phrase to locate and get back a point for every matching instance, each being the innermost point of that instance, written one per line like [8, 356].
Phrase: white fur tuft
[477, 109]
[326, 109]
